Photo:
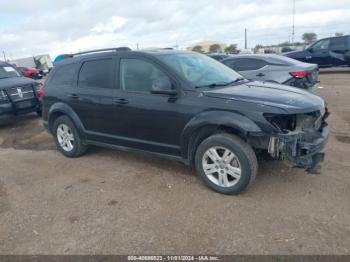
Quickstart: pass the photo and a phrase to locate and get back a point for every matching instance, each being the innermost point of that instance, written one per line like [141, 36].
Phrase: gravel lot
[110, 202]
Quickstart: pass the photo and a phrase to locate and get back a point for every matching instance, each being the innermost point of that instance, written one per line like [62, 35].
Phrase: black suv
[183, 106]
[18, 95]
[326, 52]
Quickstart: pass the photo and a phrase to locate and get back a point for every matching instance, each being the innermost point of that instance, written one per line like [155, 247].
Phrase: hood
[294, 54]
[15, 81]
[290, 99]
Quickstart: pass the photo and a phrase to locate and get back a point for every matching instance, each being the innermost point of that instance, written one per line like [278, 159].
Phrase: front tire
[67, 137]
[226, 164]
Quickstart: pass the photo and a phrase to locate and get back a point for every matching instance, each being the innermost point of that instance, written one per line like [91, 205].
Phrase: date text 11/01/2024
[173, 258]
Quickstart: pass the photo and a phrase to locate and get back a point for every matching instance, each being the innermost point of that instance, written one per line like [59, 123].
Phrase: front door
[144, 120]
[319, 53]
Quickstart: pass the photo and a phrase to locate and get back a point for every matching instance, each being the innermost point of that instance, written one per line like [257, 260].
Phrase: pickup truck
[18, 94]
[326, 52]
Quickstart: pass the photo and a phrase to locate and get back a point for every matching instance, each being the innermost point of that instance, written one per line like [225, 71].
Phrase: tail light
[300, 74]
[41, 91]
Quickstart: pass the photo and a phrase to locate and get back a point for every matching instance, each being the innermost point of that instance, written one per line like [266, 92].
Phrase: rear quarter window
[63, 75]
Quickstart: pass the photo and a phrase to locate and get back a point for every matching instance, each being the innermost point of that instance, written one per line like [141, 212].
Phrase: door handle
[260, 74]
[74, 96]
[120, 101]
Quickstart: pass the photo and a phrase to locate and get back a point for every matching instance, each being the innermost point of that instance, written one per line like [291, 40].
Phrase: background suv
[183, 106]
[326, 52]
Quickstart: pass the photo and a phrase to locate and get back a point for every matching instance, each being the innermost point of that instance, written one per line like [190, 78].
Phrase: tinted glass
[96, 74]
[199, 69]
[8, 71]
[64, 75]
[245, 64]
[322, 44]
[138, 75]
[338, 43]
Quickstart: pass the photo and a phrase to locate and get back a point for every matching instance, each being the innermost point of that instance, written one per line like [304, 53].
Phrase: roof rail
[102, 50]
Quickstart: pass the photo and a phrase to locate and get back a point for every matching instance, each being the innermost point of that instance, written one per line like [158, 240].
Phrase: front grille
[20, 93]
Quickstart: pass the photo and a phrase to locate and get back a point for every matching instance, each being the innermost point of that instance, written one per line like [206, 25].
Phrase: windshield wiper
[4, 77]
[238, 79]
[212, 85]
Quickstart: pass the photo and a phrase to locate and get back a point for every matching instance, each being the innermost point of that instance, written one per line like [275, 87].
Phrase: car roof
[266, 57]
[152, 52]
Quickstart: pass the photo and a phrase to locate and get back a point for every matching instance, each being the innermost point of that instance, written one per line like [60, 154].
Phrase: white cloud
[69, 26]
[114, 23]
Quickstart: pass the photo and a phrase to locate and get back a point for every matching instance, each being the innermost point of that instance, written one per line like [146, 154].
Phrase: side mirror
[163, 86]
[310, 50]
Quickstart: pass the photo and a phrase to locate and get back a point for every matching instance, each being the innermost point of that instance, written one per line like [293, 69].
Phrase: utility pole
[245, 38]
[137, 46]
[293, 25]
[3, 52]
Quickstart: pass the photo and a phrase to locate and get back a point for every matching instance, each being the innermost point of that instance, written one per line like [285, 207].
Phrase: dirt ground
[110, 202]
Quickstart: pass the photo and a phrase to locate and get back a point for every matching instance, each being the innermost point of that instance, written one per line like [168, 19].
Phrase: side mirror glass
[162, 86]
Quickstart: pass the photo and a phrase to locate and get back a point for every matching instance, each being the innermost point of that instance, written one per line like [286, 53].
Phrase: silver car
[274, 68]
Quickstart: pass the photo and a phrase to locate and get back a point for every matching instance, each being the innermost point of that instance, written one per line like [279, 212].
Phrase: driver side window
[138, 75]
[321, 45]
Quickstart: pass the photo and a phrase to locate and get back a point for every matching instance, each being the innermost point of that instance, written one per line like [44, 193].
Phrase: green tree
[231, 49]
[309, 37]
[215, 48]
[198, 49]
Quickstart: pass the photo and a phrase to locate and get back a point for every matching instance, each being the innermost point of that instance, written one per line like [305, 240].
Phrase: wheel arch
[60, 109]
[209, 123]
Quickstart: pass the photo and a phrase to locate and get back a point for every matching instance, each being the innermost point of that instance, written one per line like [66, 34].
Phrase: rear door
[250, 68]
[93, 96]
[338, 48]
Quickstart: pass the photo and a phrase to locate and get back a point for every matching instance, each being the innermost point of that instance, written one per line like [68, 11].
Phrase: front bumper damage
[304, 148]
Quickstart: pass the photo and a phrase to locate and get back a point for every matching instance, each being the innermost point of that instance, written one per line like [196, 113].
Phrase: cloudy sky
[66, 26]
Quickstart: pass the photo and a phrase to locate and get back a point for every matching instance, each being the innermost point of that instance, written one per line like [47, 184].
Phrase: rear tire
[67, 137]
[39, 113]
[231, 169]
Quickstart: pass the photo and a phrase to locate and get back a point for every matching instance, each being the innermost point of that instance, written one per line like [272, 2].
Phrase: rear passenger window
[338, 43]
[96, 74]
[64, 75]
[138, 75]
[246, 64]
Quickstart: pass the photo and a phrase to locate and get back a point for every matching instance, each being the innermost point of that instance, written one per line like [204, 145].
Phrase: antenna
[245, 38]
[293, 25]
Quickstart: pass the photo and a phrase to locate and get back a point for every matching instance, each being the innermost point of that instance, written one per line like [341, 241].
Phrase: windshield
[201, 70]
[7, 72]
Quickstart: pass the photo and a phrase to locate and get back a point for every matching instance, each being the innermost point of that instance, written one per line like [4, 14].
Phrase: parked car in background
[246, 51]
[274, 68]
[40, 62]
[327, 52]
[18, 95]
[183, 106]
[30, 72]
[218, 57]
